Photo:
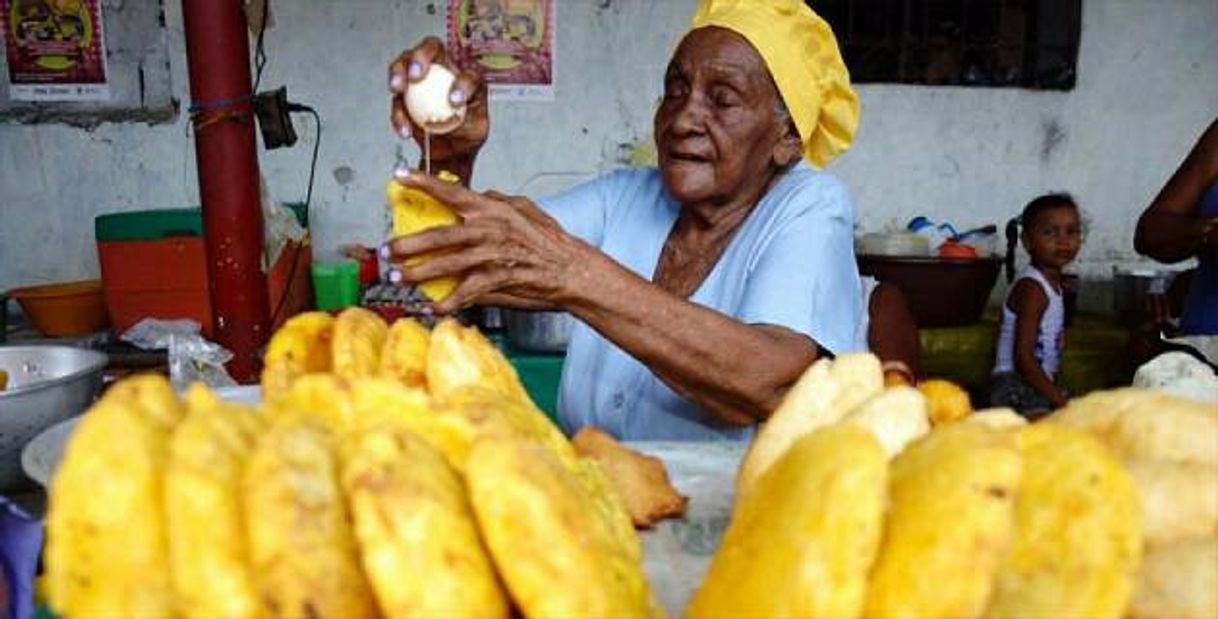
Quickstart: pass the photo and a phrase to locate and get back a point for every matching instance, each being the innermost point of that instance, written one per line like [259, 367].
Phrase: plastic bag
[279, 226]
[192, 358]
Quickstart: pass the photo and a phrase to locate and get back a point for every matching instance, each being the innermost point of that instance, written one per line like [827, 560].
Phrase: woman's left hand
[506, 251]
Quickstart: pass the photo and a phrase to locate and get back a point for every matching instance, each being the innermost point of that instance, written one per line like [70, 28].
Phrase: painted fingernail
[457, 97]
[396, 81]
[401, 172]
[395, 276]
[415, 70]
[383, 251]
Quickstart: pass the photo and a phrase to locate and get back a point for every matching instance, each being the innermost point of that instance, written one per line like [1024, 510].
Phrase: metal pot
[538, 331]
[47, 384]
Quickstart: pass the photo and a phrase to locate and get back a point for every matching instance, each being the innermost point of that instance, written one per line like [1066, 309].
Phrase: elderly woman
[703, 288]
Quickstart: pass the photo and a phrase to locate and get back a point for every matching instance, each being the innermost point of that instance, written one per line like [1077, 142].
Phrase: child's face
[1054, 237]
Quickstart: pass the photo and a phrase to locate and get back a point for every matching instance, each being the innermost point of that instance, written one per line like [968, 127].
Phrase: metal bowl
[538, 331]
[47, 384]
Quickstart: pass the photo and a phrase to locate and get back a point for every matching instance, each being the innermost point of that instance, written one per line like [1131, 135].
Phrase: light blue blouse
[791, 264]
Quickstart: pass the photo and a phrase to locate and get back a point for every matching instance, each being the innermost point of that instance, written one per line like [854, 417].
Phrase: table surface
[677, 552]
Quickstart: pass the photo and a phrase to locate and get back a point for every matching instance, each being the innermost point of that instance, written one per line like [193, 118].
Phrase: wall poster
[55, 50]
[510, 41]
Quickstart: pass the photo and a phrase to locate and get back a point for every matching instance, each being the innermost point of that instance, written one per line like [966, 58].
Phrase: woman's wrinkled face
[719, 132]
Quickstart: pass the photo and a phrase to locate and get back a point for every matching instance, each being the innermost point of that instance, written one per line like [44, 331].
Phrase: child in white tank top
[1030, 340]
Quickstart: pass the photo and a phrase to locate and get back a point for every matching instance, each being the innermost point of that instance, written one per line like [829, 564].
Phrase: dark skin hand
[455, 151]
[1170, 231]
[721, 141]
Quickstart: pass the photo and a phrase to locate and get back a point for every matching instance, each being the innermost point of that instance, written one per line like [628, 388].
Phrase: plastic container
[942, 292]
[335, 284]
[162, 278]
[154, 265]
[67, 309]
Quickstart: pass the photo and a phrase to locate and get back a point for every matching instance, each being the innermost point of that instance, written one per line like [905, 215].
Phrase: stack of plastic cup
[335, 284]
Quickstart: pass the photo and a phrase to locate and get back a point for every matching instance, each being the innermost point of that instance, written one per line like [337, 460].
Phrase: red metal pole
[217, 52]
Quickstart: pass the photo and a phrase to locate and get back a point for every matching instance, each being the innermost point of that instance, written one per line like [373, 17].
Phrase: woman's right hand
[411, 66]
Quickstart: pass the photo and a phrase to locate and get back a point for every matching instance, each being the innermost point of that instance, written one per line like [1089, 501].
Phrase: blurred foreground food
[399, 472]
[389, 472]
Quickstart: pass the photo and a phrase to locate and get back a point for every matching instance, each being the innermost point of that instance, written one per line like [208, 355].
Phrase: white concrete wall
[1148, 84]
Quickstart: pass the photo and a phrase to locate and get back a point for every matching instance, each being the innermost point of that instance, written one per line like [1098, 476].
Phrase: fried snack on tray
[1179, 500]
[489, 413]
[404, 356]
[557, 557]
[301, 346]
[415, 211]
[802, 542]
[998, 418]
[945, 401]
[826, 392]
[896, 417]
[209, 557]
[949, 524]
[1178, 581]
[418, 541]
[302, 549]
[1077, 533]
[325, 398]
[640, 480]
[359, 336]
[460, 356]
[1140, 424]
[107, 546]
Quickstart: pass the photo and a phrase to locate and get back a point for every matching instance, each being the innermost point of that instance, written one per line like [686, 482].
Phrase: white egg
[427, 101]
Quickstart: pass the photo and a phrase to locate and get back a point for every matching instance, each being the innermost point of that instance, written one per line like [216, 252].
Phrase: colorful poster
[510, 41]
[55, 50]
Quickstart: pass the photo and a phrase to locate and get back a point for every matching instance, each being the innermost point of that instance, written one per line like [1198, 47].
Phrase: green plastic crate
[153, 224]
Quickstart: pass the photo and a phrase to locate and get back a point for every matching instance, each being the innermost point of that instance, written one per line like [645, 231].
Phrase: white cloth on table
[791, 264]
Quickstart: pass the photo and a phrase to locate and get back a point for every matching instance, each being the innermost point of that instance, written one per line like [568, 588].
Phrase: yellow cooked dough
[359, 337]
[1077, 533]
[302, 548]
[301, 346]
[945, 401]
[1179, 500]
[639, 480]
[107, 544]
[417, 536]
[826, 392]
[404, 356]
[415, 211]
[489, 413]
[1142, 424]
[556, 556]
[324, 398]
[1178, 581]
[460, 356]
[949, 525]
[896, 417]
[209, 557]
[802, 542]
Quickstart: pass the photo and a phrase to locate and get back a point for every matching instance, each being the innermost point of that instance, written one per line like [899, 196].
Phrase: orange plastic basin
[60, 310]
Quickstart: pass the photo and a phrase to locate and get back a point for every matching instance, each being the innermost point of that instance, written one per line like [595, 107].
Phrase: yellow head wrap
[801, 52]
